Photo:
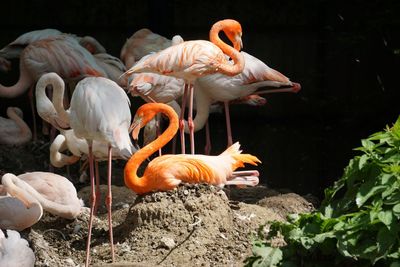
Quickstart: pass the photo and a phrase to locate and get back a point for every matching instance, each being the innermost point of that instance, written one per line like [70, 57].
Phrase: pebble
[167, 242]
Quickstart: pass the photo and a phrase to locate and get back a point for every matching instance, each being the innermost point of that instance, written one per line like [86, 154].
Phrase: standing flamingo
[30, 193]
[15, 251]
[168, 171]
[99, 111]
[223, 88]
[14, 131]
[192, 59]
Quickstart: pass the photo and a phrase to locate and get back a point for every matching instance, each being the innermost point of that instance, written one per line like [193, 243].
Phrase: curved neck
[236, 56]
[24, 82]
[55, 108]
[132, 180]
[34, 208]
[25, 132]
[16, 184]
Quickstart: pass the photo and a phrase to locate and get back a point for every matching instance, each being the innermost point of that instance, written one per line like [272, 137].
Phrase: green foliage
[358, 221]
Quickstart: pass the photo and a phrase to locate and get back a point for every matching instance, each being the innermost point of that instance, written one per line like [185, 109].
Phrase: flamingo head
[143, 115]
[233, 31]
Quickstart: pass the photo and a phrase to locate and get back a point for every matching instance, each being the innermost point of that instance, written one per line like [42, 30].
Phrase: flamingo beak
[135, 127]
[238, 45]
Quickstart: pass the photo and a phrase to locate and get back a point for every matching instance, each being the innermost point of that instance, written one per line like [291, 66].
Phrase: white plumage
[15, 251]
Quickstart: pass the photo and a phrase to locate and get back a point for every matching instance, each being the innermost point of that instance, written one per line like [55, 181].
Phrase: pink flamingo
[192, 59]
[26, 196]
[93, 116]
[61, 54]
[223, 88]
[14, 131]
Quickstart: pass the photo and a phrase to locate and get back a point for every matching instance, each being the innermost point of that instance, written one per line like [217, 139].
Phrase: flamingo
[15, 251]
[93, 116]
[168, 171]
[28, 194]
[223, 88]
[15, 48]
[192, 59]
[14, 131]
[61, 54]
[142, 43]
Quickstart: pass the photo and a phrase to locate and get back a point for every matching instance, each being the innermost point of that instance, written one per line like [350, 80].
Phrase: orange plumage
[168, 171]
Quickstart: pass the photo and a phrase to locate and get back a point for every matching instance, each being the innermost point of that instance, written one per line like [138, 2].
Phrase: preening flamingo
[142, 43]
[168, 171]
[28, 194]
[15, 251]
[99, 111]
[14, 131]
[192, 59]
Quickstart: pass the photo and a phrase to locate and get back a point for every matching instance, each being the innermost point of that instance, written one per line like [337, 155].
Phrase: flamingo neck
[24, 82]
[56, 106]
[11, 185]
[236, 56]
[132, 180]
[25, 131]
[22, 187]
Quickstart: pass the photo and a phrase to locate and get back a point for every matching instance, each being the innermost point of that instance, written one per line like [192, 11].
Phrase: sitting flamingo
[14, 131]
[168, 171]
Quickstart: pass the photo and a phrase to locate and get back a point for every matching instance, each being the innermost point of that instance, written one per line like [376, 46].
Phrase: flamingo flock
[84, 94]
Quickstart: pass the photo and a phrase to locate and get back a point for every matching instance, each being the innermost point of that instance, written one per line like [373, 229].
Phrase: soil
[193, 225]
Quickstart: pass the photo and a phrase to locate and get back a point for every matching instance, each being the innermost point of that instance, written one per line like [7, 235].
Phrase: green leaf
[367, 144]
[386, 217]
[396, 210]
[270, 257]
[362, 161]
[367, 190]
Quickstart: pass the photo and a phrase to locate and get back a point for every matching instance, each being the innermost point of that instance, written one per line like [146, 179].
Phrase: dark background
[344, 54]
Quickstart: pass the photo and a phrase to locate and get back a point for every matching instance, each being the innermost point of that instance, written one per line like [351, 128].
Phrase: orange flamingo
[168, 171]
[193, 59]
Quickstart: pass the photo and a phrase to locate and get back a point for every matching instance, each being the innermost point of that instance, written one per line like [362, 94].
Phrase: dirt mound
[194, 225]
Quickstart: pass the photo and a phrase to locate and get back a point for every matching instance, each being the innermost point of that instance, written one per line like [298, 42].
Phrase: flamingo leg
[92, 202]
[228, 124]
[31, 101]
[190, 119]
[97, 189]
[207, 148]
[109, 201]
[245, 173]
[181, 119]
[242, 181]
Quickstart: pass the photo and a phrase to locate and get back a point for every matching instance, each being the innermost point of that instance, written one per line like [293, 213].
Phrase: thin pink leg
[92, 202]
[109, 201]
[190, 119]
[31, 100]
[97, 191]
[207, 148]
[182, 120]
[228, 124]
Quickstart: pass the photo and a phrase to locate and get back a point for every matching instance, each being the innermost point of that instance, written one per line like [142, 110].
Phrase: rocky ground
[194, 225]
